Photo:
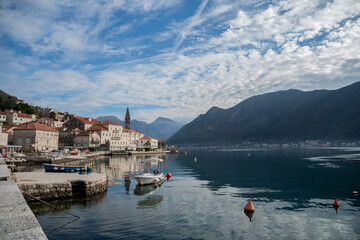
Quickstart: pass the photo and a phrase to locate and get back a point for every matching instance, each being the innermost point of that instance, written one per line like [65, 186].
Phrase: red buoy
[110, 167]
[351, 159]
[168, 176]
[249, 207]
[336, 204]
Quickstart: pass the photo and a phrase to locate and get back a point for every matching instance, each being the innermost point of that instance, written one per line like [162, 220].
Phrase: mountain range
[289, 115]
[161, 128]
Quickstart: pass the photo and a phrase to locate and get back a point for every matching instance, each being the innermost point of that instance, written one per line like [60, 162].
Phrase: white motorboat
[149, 178]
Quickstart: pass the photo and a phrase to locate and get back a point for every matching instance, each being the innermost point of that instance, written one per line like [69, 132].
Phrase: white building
[17, 117]
[148, 143]
[52, 122]
[2, 117]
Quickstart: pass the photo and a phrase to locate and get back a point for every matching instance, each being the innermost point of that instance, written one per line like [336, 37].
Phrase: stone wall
[66, 189]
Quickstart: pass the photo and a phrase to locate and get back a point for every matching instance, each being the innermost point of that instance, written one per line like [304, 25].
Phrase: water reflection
[64, 205]
[141, 190]
[150, 201]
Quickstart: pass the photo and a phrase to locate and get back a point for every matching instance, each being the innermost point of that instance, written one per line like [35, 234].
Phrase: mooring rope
[48, 203]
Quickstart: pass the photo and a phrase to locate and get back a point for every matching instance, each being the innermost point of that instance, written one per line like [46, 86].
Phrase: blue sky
[174, 59]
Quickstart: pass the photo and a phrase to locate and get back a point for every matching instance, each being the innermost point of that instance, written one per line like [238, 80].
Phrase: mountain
[161, 128]
[279, 116]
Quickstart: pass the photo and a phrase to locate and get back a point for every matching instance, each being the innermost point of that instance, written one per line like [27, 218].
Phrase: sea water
[292, 191]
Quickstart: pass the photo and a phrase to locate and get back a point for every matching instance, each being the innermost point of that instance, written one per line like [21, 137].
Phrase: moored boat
[149, 178]
[66, 168]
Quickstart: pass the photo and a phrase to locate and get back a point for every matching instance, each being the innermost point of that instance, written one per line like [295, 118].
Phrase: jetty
[17, 221]
[51, 186]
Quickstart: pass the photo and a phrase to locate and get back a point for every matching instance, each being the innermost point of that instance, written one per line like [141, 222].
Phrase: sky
[173, 59]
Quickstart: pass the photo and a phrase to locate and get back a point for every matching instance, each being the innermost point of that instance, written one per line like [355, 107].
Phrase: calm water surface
[292, 191]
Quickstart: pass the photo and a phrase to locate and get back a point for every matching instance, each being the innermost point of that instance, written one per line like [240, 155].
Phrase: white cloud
[289, 44]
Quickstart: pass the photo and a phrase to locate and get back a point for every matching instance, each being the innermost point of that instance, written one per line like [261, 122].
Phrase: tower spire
[127, 119]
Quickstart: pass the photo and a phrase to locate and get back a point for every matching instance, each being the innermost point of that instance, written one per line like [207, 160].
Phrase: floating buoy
[249, 207]
[336, 204]
[194, 159]
[110, 167]
[168, 176]
[114, 168]
[355, 193]
[351, 160]
[249, 154]
[148, 171]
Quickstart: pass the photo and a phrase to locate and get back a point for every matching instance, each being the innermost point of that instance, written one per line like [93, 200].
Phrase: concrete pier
[49, 186]
[16, 218]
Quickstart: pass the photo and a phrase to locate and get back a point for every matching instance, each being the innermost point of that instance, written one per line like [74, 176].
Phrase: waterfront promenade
[17, 221]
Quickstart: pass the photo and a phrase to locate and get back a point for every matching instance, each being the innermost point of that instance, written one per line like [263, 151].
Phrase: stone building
[17, 117]
[81, 123]
[52, 122]
[90, 139]
[3, 137]
[9, 129]
[36, 137]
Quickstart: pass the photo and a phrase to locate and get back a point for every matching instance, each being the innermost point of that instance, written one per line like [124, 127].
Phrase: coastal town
[57, 131]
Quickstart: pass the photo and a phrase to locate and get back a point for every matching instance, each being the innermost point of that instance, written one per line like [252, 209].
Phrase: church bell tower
[127, 119]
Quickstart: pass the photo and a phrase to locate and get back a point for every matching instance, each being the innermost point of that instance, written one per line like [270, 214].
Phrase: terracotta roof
[88, 120]
[148, 138]
[98, 128]
[161, 140]
[128, 130]
[35, 126]
[51, 119]
[8, 126]
[107, 122]
[86, 133]
[1, 113]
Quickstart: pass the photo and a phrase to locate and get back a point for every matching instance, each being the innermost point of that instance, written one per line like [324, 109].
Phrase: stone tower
[127, 119]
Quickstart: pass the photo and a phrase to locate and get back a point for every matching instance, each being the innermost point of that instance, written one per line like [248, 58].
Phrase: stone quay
[51, 186]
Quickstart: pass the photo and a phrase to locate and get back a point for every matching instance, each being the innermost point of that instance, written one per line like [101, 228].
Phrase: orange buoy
[168, 176]
[249, 207]
[110, 167]
[336, 204]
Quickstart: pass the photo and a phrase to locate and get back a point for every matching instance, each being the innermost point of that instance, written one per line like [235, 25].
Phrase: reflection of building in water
[122, 166]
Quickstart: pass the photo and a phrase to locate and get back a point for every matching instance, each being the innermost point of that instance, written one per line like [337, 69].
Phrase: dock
[17, 221]
[51, 186]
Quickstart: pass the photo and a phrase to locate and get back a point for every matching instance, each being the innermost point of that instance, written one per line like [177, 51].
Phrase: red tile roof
[1, 113]
[128, 130]
[35, 126]
[51, 119]
[144, 138]
[98, 128]
[107, 122]
[88, 120]
[86, 133]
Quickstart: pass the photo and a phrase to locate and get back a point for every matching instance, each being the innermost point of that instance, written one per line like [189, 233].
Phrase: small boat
[150, 178]
[66, 168]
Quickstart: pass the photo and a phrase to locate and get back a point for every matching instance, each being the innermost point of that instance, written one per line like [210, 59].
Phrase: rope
[48, 204]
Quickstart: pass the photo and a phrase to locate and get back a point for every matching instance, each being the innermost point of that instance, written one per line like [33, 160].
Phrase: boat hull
[64, 168]
[148, 178]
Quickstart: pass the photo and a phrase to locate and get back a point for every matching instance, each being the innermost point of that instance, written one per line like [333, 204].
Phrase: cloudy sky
[174, 59]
